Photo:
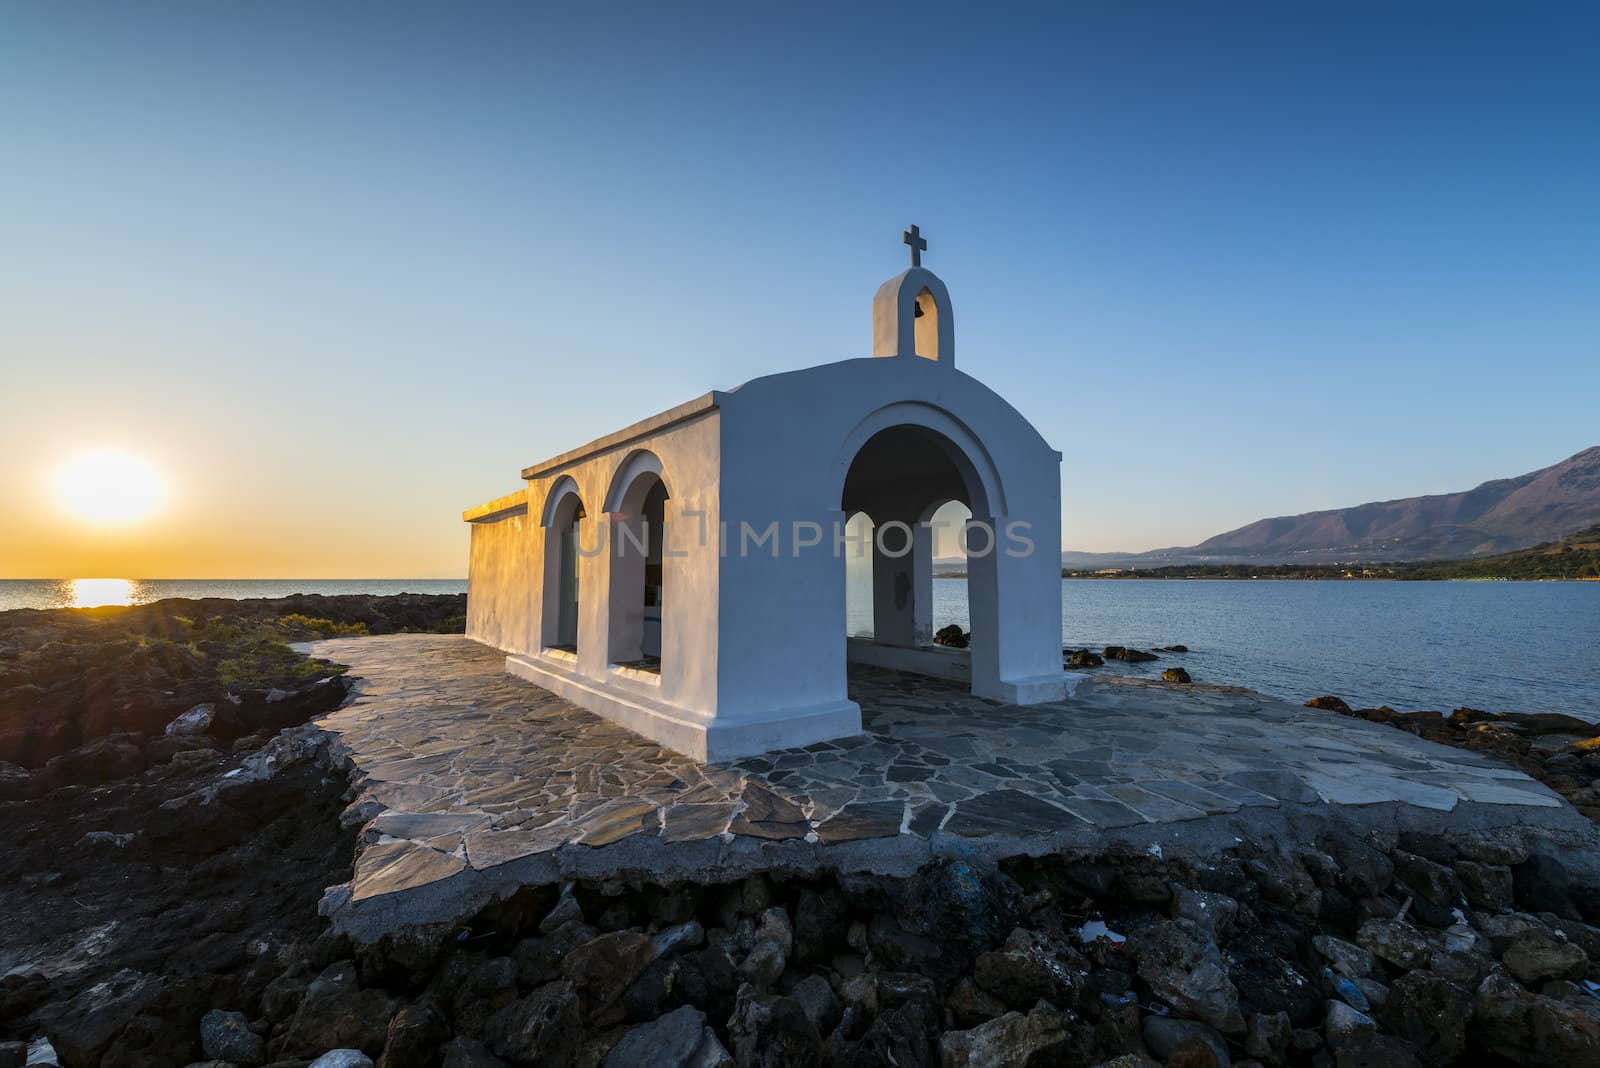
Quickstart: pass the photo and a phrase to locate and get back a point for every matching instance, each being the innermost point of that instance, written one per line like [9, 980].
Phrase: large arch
[561, 517]
[899, 473]
[636, 514]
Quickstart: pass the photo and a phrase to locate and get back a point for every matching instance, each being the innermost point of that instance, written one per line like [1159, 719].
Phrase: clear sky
[340, 270]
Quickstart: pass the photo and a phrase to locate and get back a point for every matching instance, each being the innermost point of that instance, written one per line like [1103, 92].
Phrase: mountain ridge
[1497, 516]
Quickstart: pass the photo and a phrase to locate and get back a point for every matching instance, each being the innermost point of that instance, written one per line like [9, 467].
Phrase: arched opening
[917, 491]
[637, 507]
[563, 517]
[925, 325]
[857, 549]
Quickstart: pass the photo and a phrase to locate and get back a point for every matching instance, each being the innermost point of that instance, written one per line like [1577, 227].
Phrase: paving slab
[472, 783]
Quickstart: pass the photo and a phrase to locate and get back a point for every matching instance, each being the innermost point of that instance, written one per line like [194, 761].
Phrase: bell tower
[911, 314]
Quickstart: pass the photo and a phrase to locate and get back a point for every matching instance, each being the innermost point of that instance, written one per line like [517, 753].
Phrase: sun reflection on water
[97, 592]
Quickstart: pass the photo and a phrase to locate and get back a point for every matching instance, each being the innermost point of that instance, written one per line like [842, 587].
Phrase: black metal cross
[919, 245]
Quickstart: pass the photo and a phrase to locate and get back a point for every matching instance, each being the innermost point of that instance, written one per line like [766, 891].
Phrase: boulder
[1342, 1023]
[462, 1052]
[1128, 656]
[818, 920]
[1431, 880]
[539, 960]
[1539, 956]
[1031, 967]
[1211, 912]
[816, 997]
[952, 636]
[1329, 703]
[1541, 884]
[1395, 941]
[18, 783]
[1083, 658]
[226, 1036]
[1486, 886]
[115, 756]
[337, 1014]
[1011, 1041]
[1346, 958]
[542, 1029]
[1184, 968]
[969, 1005]
[1165, 1035]
[342, 1058]
[1430, 1012]
[1364, 870]
[670, 941]
[415, 1033]
[1175, 674]
[1268, 1037]
[82, 1028]
[566, 910]
[603, 968]
[1533, 1030]
[680, 1039]
[769, 1031]
[196, 720]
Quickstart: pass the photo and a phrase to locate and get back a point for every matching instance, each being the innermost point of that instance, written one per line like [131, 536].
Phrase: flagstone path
[463, 771]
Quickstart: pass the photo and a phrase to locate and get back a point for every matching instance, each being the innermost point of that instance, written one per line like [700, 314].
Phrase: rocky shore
[1563, 752]
[163, 911]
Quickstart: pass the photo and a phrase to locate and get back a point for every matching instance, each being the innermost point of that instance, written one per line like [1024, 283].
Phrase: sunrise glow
[109, 486]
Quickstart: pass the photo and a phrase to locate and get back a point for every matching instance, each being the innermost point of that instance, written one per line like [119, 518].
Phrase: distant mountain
[1497, 517]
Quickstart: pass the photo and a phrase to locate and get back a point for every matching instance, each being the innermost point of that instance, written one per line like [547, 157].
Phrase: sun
[109, 486]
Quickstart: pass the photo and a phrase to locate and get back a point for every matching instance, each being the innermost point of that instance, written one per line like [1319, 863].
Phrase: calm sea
[91, 593]
[1502, 646]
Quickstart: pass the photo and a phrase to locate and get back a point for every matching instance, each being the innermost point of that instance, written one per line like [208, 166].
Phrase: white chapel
[685, 576]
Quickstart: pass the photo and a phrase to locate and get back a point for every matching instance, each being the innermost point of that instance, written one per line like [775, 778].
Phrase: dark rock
[652, 993]
[965, 905]
[1184, 968]
[1430, 879]
[1541, 884]
[1175, 674]
[1172, 649]
[816, 997]
[1031, 967]
[19, 784]
[1129, 656]
[541, 1029]
[1396, 942]
[415, 1033]
[680, 1039]
[1211, 912]
[469, 1053]
[403, 959]
[769, 1031]
[1329, 703]
[1164, 1034]
[1011, 1040]
[226, 1036]
[1346, 958]
[900, 949]
[1366, 871]
[819, 920]
[952, 636]
[539, 959]
[1268, 1036]
[1430, 1012]
[1533, 1030]
[1539, 956]
[969, 1005]
[115, 756]
[1083, 658]
[1367, 1050]
[82, 1028]
[1343, 1023]
[1486, 886]
[337, 1014]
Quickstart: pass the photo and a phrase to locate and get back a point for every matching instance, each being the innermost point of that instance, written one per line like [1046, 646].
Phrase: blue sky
[342, 270]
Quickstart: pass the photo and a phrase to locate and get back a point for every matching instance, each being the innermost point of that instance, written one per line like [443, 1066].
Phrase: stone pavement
[475, 782]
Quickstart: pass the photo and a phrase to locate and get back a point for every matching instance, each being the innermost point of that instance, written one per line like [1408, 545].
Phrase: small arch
[564, 487]
[636, 508]
[624, 484]
[562, 517]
